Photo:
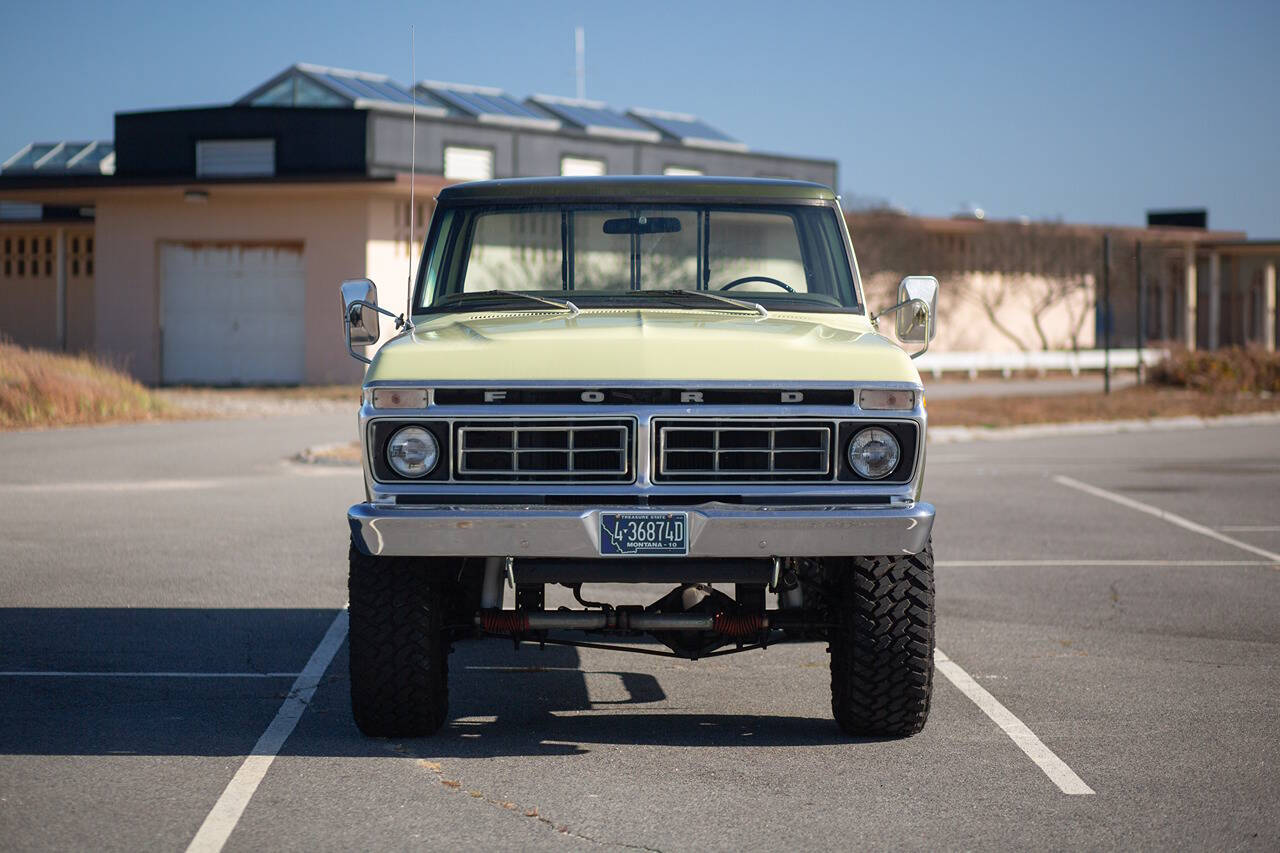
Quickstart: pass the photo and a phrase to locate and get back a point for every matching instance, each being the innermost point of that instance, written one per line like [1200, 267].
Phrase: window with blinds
[468, 164]
[581, 166]
[235, 158]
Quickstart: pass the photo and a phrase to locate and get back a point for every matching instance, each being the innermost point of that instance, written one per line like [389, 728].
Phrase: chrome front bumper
[715, 530]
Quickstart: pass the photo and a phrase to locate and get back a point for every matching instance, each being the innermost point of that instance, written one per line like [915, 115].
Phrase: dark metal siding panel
[308, 141]
[520, 153]
[540, 154]
[391, 143]
[323, 141]
[655, 158]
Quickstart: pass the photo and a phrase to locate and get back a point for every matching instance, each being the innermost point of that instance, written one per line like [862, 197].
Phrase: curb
[958, 434]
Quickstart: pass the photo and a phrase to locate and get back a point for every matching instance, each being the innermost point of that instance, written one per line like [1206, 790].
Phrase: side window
[429, 271]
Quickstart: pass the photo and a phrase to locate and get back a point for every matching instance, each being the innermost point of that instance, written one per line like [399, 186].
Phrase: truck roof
[631, 188]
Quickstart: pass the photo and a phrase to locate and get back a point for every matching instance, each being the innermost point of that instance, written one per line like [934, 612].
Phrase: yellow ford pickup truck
[642, 380]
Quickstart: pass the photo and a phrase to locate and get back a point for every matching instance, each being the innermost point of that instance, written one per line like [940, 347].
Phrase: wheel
[882, 643]
[399, 651]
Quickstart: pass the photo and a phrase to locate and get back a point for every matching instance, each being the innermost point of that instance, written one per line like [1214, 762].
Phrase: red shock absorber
[504, 621]
[739, 624]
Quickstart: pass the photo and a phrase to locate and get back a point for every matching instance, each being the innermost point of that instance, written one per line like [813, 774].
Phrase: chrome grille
[581, 451]
[737, 449]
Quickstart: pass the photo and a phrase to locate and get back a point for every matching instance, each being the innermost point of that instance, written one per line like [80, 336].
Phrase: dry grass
[45, 389]
[1128, 404]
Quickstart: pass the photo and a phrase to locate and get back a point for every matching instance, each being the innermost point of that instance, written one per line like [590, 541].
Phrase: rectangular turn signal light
[886, 398]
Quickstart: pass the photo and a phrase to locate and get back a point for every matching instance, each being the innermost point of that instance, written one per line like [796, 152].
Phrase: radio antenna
[580, 60]
[413, 170]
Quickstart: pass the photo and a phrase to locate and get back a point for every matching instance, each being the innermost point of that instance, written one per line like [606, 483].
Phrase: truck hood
[642, 345]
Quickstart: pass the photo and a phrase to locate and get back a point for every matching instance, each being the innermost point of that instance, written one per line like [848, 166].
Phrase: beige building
[205, 246]
[219, 283]
[1009, 286]
[226, 284]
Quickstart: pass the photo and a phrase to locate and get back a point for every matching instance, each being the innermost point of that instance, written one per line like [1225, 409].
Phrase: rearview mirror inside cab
[642, 225]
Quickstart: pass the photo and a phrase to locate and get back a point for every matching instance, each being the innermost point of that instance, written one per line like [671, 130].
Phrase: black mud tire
[399, 653]
[882, 643]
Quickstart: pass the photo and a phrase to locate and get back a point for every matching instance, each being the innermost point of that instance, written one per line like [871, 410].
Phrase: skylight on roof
[487, 104]
[689, 129]
[54, 158]
[595, 118]
[305, 85]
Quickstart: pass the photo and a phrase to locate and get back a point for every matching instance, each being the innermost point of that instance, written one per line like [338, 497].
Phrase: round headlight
[874, 453]
[413, 452]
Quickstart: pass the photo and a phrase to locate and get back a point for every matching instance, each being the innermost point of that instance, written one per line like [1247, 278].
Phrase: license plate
[632, 534]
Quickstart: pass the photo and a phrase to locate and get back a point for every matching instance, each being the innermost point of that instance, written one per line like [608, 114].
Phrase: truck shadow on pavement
[208, 681]
[532, 702]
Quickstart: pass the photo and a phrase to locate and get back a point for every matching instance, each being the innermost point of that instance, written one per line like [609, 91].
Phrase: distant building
[205, 245]
[1019, 285]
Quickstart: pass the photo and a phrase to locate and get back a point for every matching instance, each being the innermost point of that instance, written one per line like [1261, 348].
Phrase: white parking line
[978, 564]
[1025, 739]
[1250, 528]
[1165, 515]
[224, 816]
[117, 486]
[60, 673]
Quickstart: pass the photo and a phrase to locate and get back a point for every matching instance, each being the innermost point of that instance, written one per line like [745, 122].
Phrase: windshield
[780, 257]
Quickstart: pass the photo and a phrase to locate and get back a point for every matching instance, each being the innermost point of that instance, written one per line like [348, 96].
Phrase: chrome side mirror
[918, 325]
[917, 309]
[360, 314]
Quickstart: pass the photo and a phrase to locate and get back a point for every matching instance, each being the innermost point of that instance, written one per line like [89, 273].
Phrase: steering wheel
[746, 278]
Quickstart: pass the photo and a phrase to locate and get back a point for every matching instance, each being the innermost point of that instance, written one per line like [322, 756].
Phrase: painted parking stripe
[1025, 739]
[1165, 515]
[224, 816]
[979, 564]
[112, 487]
[69, 673]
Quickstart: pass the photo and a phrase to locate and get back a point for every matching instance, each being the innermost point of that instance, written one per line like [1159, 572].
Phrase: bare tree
[1029, 268]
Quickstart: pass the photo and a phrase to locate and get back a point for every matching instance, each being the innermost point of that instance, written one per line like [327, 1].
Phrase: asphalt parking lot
[1109, 611]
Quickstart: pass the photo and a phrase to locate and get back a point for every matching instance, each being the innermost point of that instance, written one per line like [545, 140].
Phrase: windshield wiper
[562, 304]
[742, 304]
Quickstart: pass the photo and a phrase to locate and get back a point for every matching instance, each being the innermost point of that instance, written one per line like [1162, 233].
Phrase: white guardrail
[1005, 363]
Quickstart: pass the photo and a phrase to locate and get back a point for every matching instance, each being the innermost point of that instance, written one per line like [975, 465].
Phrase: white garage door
[232, 314]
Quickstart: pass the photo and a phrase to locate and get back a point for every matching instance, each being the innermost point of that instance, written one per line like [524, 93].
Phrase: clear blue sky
[1086, 111]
